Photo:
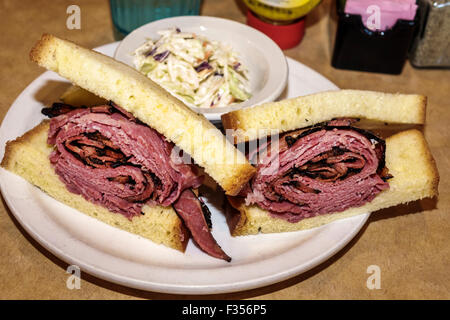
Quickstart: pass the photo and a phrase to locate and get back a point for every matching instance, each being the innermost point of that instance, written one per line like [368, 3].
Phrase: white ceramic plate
[130, 260]
[266, 63]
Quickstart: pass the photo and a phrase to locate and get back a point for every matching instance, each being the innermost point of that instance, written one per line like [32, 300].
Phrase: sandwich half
[120, 161]
[28, 156]
[319, 165]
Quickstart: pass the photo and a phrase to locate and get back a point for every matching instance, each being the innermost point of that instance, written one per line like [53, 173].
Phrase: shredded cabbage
[200, 72]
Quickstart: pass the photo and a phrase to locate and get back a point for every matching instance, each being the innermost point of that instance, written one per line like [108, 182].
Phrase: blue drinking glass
[128, 15]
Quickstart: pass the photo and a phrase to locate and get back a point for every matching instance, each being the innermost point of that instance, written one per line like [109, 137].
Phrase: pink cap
[286, 36]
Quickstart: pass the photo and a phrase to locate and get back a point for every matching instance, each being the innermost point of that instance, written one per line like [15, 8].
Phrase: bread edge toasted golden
[295, 113]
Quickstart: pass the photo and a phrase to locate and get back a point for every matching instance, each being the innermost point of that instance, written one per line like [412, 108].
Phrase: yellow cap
[281, 10]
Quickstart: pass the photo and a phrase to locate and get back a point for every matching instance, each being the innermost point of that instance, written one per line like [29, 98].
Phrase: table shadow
[51, 91]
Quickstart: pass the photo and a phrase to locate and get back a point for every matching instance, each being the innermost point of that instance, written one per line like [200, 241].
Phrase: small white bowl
[266, 63]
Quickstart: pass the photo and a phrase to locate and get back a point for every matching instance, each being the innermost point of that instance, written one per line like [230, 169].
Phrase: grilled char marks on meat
[112, 160]
[322, 169]
[109, 157]
[95, 150]
[379, 144]
[331, 165]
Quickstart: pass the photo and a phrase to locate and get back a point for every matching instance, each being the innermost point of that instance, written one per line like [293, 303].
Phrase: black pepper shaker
[431, 47]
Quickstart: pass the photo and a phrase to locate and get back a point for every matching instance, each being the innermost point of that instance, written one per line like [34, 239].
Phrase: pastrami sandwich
[118, 161]
[321, 166]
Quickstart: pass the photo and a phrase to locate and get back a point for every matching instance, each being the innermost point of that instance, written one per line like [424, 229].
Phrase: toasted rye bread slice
[409, 161]
[28, 157]
[290, 114]
[115, 81]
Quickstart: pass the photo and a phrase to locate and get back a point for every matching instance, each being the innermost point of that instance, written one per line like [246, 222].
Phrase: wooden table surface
[410, 243]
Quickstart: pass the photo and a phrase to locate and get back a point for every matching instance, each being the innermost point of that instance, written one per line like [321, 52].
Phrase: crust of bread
[28, 157]
[408, 159]
[295, 113]
[136, 93]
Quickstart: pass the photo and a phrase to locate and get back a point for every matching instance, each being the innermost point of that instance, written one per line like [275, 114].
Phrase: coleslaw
[200, 72]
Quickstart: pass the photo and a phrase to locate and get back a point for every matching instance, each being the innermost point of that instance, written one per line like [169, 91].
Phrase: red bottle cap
[286, 36]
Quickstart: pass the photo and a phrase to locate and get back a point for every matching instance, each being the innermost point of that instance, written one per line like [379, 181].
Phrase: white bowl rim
[282, 65]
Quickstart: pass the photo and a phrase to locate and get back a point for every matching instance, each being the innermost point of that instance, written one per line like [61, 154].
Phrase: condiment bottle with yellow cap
[281, 20]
